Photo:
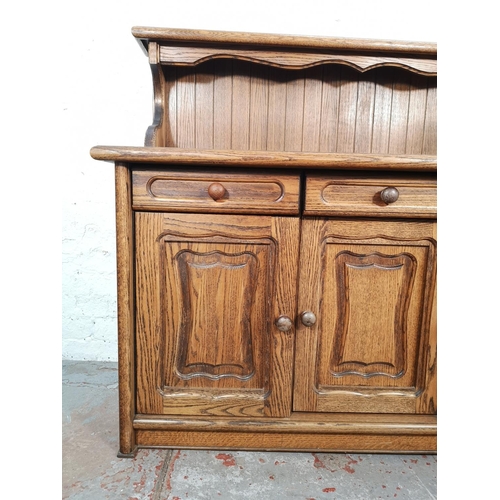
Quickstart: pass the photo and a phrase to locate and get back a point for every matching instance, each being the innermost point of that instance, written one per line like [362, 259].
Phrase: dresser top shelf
[182, 47]
[204, 37]
[259, 159]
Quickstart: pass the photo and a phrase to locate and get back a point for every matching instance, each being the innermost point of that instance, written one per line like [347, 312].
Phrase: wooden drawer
[216, 191]
[357, 194]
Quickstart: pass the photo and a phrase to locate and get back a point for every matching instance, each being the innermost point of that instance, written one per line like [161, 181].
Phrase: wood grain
[357, 194]
[344, 443]
[126, 308]
[191, 158]
[374, 112]
[207, 343]
[274, 192]
[192, 56]
[258, 196]
[368, 352]
[284, 41]
[298, 422]
[341, 432]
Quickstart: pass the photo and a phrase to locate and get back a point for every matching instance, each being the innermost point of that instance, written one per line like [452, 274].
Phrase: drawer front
[358, 195]
[216, 191]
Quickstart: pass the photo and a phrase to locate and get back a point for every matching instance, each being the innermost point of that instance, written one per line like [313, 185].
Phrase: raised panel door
[209, 289]
[373, 346]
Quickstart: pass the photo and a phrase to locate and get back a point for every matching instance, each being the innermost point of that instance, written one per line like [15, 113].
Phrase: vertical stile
[399, 113]
[259, 103]
[294, 112]
[364, 116]
[416, 118]
[382, 110]
[347, 110]
[430, 131]
[276, 114]
[223, 89]
[240, 106]
[312, 109]
[329, 109]
[186, 108]
[205, 106]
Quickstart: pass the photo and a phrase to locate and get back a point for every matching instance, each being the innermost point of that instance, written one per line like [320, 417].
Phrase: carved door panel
[209, 289]
[373, 346]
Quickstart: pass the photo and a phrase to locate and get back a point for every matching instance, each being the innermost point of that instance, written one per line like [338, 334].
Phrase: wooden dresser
[276, 242]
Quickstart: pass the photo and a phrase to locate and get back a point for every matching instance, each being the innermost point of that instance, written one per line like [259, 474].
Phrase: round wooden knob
[308, 318]
[389, 195]
[284, 324]
[216, 191]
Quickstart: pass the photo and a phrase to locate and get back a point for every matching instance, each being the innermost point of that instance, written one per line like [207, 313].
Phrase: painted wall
[104, 97]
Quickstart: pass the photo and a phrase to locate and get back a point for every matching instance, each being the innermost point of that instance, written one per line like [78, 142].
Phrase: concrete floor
[92, 471]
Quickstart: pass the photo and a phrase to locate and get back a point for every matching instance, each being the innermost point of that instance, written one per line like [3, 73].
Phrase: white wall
[106, 99]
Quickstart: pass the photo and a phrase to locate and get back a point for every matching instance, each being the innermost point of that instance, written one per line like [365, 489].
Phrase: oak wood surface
[298, 422]
[340, 432]
[209, 288]
[258, 196]
[192, 56]
[357, 194]
[371, 285]
[192, 158]
[285, 41]
[333, 443]
[156, 133]
[179, 190]
[126, 307]
[385, 110]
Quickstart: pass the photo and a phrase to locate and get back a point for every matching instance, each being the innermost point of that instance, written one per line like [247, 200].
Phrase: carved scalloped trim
[192, 56]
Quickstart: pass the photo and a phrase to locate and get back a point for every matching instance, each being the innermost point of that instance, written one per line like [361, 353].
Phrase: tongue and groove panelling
[239, 105]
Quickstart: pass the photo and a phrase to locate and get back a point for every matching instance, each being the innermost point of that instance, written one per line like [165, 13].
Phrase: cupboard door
[209, 290]
[371, 285]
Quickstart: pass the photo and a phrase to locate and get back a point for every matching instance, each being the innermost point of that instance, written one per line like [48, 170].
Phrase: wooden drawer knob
[284, 324]
[389, 195]
[308, 318]
[216, 191]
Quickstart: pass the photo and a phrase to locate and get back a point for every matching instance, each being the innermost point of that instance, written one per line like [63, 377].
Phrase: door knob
[284, 324]
[308, 318]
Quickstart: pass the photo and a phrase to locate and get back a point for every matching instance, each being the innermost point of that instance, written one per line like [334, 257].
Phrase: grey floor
[92, 471]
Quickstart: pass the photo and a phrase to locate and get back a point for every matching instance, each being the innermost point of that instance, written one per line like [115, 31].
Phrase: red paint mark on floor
[262, 461]
[271, 477]
[349, 469]
[277, 462]
[186, 477]
[227, 460]
[171, 470]
[384, 486]
[329, 490]
[427, 463]
[414, 461]
[318, 463]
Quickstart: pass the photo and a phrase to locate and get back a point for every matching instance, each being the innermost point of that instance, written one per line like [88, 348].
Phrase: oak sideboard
[276, 246]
